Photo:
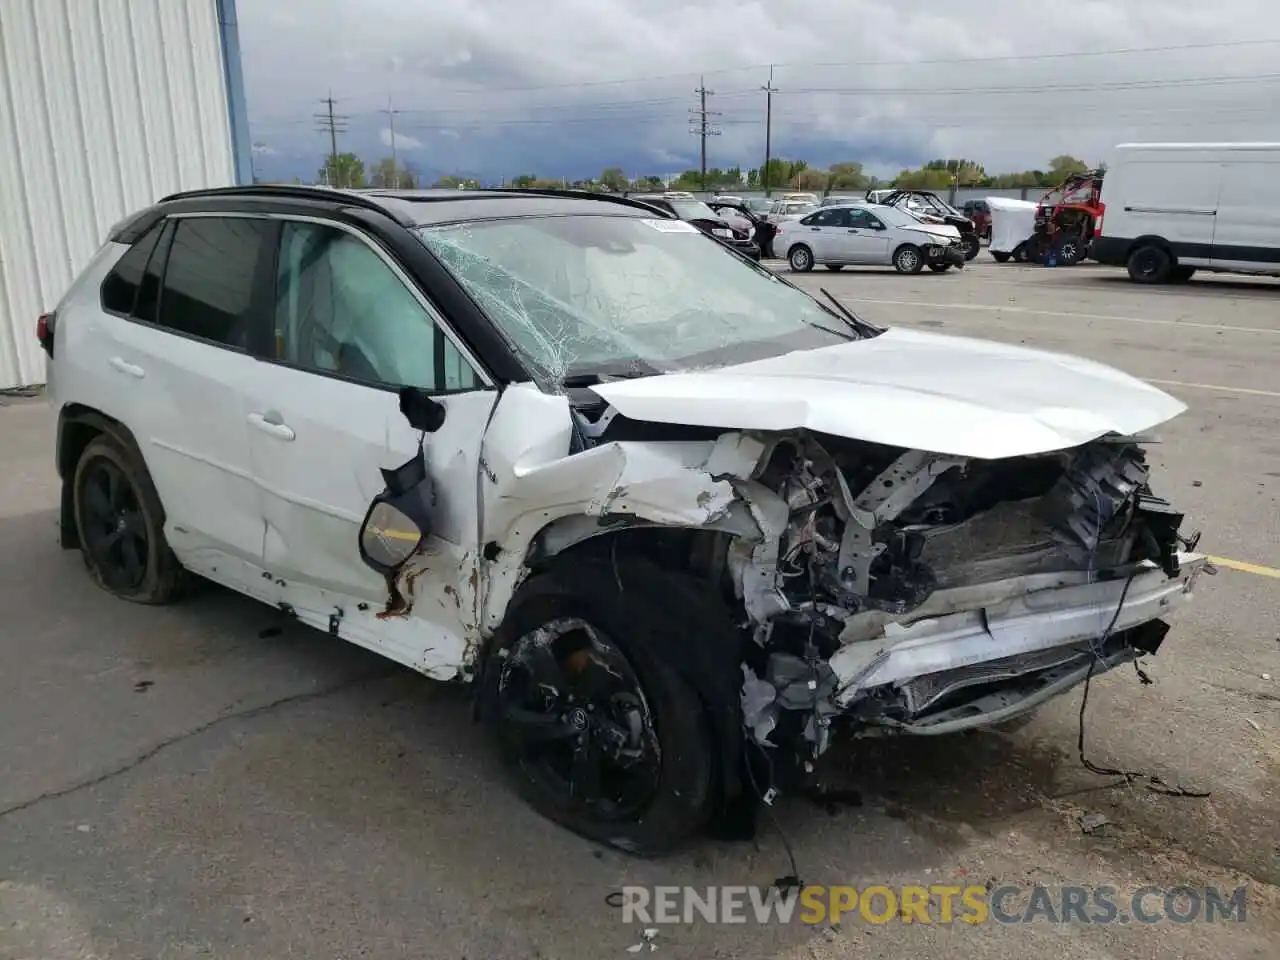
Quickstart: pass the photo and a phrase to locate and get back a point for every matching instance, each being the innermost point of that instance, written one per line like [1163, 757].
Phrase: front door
[868, 239]
[350, 330]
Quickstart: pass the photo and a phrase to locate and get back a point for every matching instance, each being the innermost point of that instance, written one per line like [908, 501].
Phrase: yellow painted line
[1254, 568]
[1028, 311]
[409, 537]
[1214, 386]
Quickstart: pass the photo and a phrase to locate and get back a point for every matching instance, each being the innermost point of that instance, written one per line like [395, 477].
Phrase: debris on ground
[1093, 822]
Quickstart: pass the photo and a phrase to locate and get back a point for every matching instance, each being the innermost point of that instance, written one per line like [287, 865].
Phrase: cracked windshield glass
[625, 295]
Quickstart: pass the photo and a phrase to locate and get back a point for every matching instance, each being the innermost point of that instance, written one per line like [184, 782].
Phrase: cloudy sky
[566, 87]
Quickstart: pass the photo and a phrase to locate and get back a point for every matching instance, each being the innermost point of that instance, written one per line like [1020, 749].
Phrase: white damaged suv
[671, 516]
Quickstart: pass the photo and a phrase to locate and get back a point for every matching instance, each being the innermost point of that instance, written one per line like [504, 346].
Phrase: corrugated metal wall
[105, 106]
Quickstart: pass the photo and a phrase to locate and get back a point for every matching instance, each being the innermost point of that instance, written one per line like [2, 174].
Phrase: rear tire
[908, 259]
[939, 267]
[120, 523]
[800, 258]
[835, 267]
[1183, 274]
[1001, 256]
[1020, 253]
[1150, 264]
[596, 628]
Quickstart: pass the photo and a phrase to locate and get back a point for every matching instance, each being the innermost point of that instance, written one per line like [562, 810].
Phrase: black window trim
[158, 228]
[442, 329]
[162, 226]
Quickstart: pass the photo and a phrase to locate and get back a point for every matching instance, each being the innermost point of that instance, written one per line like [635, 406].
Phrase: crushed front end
[900, 591]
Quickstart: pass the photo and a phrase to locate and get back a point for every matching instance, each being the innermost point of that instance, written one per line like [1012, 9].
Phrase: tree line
[349, 170]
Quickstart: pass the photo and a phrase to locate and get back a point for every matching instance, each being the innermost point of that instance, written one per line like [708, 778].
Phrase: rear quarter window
[119, 291]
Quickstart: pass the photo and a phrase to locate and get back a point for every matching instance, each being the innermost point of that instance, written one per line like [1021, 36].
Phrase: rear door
[180, 362]
[350, 328]
[824, 233]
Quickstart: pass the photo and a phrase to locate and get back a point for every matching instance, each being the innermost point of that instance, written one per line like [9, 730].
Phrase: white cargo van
[1170, 209]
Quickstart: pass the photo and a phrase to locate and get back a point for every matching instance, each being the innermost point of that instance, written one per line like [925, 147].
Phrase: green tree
[1064, 166]
[342, 170]
[524, 180]
[614, 179]
[753, 179]
[847, 176]
[649, 184]
[387, 173]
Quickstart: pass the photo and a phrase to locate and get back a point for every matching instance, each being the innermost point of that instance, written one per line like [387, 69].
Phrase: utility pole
[334, 124]
[769, 91]
[391, 124]
[702, 127]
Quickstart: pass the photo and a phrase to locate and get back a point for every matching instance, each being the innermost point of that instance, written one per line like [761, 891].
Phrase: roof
[425, 207]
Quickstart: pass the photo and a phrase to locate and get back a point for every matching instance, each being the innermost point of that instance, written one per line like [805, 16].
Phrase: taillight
[1097, 224]
[44, 332]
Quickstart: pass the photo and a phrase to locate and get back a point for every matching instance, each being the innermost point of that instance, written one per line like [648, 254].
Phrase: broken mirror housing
[399, 518]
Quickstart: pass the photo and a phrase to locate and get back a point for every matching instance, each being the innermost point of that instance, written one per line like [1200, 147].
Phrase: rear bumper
[1040, 641]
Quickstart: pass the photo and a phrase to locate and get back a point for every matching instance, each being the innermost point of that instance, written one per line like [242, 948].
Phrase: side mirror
[422, 411]
[399, 518]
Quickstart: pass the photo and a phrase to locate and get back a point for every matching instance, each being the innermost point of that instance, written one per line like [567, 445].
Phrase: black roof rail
[581, 195]
[288, 191]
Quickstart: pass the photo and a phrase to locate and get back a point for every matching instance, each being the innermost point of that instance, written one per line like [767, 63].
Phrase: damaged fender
[545, 491]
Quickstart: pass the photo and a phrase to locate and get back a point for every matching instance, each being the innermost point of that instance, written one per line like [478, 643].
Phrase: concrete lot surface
[209, 780]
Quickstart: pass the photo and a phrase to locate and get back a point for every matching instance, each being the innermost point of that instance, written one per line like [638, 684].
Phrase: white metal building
[105, 106]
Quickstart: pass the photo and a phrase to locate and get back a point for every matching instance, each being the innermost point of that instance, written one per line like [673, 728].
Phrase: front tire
[120, 523]
[939, 267]
[1150, 264]
[1183, 274]
[800, 258]
[908, 259]
[835, 267]
[971, 245]
[598, 730]
[1001, 256]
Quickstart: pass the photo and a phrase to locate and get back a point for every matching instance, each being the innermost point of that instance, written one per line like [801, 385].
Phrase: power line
[391, 124]
[746, 68]
[623, 106]
[333, 123]
[769, 91]
[1052, 88]
[702, 128]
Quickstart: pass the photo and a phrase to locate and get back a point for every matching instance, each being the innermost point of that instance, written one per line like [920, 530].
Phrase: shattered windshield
[583, 295]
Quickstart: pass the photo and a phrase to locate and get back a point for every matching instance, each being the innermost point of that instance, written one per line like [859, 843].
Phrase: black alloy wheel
[572, 707]
[113, 526]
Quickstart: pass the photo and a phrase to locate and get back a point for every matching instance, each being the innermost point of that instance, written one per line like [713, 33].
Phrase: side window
[340, 309]
[120, 289]
[823, 218]
[863, 220]
[209, 281]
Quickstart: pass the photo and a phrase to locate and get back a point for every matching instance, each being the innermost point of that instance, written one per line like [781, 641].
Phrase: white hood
[923, 391]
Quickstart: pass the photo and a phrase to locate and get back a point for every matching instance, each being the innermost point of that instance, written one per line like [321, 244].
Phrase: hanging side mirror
[423, 412]
[399, 518]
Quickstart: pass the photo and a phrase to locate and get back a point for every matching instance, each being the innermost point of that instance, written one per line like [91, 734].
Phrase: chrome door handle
[124, 366]
[278, 430]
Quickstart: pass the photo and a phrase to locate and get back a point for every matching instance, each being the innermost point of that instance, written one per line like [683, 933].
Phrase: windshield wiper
[605, 374]
[856, 323]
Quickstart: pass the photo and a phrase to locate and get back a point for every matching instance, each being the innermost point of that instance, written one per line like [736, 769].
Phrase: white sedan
[870, 234]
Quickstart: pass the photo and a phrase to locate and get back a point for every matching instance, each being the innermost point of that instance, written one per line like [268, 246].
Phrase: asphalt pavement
[211, 780]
